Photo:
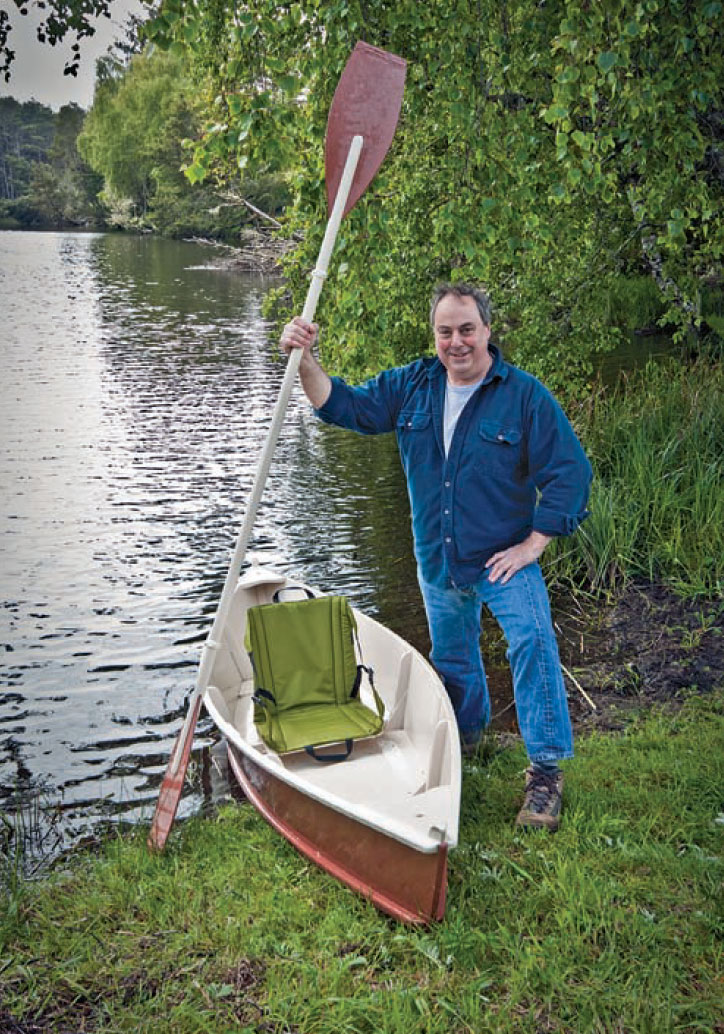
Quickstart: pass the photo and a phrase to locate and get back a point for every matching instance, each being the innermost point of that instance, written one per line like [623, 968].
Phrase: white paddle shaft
[262, 470]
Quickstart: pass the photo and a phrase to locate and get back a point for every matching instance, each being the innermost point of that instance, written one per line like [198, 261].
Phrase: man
[494, 471]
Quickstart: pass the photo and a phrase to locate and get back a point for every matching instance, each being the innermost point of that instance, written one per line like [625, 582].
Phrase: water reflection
[138, 384]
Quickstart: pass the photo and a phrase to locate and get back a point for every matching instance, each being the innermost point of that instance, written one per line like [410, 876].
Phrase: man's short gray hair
[461, 290]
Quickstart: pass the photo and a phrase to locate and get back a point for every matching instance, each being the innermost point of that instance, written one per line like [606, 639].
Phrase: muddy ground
[648, 648]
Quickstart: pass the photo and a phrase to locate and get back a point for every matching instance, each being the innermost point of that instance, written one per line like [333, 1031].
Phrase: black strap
[276, 598]
[358, 679]
[356, 687]
[330, 757]
[261, 696]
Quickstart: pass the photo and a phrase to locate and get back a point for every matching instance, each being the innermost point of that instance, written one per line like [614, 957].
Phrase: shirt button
[448, 539]
[447, 484]
[446, 512]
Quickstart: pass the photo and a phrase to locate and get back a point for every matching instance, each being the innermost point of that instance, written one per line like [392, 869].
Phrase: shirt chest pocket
[501, 447]
[414, 436]
[409, 421]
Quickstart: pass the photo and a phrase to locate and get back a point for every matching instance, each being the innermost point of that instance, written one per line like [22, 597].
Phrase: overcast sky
[37, 72]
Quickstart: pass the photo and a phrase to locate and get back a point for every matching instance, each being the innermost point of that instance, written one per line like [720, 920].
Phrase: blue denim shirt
[514, 463]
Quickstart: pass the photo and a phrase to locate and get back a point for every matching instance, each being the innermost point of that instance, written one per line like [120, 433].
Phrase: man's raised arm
[315, 381]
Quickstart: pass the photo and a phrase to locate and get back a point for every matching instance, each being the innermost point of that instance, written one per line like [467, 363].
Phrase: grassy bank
[657, 503]
[615, 924]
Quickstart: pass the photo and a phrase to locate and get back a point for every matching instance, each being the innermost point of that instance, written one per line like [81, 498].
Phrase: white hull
[403, 784]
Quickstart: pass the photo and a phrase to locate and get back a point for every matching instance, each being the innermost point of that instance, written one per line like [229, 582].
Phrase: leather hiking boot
[543, 798]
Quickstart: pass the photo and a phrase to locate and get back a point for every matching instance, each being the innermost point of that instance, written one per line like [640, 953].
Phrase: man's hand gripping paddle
[361, 124]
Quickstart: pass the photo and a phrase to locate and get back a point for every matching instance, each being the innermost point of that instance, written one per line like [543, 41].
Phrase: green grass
[615, 924]
[657, 502]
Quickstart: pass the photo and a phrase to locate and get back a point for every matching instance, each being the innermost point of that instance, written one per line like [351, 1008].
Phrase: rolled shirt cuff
[555, 523]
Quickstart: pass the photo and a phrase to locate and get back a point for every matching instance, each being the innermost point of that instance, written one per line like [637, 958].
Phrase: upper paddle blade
[367, 103]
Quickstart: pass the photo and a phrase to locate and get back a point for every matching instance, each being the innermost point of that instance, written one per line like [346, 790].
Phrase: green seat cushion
[306, 674]
[320, 724]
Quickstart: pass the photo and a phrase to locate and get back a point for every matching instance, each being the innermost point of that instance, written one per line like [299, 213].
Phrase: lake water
[137, 386]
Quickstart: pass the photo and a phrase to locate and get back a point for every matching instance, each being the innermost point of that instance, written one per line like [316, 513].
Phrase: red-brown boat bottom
[403, 882]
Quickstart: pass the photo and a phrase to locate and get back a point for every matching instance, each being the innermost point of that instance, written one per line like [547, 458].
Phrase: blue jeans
[522, 610]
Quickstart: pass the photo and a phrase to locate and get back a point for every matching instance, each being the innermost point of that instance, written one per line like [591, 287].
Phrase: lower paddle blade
[367, 103]
[172, 786]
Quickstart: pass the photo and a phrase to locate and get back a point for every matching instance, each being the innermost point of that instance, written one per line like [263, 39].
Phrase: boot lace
[541, 791]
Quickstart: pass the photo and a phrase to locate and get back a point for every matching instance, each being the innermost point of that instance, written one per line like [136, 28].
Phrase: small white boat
[383, 820]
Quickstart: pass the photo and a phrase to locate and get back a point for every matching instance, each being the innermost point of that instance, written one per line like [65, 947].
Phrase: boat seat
[307, 678]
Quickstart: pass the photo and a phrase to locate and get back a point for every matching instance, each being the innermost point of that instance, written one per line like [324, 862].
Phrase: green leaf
[555, 112]
[607, 60]
[195, 173]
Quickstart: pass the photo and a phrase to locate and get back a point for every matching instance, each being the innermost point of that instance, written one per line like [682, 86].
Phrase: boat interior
[404, 781]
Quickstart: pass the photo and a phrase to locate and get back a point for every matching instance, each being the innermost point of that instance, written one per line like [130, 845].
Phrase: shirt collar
[498, 369]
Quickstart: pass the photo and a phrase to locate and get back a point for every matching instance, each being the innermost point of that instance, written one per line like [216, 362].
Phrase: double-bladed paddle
[360, 127]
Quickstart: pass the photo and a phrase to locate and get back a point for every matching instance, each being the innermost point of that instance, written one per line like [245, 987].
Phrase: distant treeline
[43, 180]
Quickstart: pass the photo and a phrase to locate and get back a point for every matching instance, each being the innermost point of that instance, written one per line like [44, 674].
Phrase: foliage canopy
[145, 113]
[544, 150]
[133, 133]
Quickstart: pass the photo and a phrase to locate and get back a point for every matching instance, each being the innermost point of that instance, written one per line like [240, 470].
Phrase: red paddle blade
[367, 103]
[171, 788]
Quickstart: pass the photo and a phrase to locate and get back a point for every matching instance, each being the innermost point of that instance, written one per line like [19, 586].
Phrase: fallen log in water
[260, 251]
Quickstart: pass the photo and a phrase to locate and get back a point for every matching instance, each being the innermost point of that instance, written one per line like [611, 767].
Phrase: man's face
[461, 339]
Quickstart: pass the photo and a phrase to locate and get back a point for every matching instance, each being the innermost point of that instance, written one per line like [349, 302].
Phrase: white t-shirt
[455, 399]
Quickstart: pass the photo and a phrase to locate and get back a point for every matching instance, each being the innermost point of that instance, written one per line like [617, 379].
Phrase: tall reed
[657, 503]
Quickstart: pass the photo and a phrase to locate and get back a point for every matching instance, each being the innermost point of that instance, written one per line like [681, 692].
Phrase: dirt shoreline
[648, 647]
